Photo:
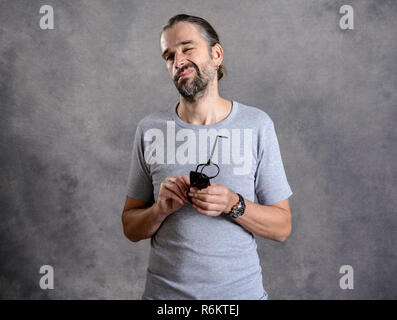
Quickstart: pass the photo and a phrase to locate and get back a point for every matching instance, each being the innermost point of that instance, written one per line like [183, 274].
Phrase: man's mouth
[186, 73]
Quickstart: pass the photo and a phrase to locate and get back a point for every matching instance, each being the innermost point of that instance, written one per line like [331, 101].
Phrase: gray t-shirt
[194, 256]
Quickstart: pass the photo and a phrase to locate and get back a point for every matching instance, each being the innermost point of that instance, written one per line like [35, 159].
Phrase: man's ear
[217, 54]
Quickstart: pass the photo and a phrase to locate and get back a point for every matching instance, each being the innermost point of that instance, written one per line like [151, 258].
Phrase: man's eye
[168, 58]
[188, 49]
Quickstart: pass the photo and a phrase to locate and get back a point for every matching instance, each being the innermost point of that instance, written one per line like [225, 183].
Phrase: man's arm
[272, 222]
[140, 219]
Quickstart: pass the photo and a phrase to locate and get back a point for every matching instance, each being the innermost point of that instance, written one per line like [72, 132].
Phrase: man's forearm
[266, 221]
[141, 223]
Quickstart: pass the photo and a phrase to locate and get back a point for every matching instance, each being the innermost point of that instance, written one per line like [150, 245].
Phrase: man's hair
[208, 33]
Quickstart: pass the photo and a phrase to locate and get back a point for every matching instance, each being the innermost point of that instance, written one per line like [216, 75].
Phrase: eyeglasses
[199, 179]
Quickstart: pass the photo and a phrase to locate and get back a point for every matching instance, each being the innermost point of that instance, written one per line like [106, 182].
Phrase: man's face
[188, 59]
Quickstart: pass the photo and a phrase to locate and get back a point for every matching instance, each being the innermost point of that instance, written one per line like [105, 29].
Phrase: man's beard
[191, 92]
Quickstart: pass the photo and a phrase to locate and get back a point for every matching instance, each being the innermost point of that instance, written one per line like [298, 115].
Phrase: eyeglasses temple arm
[213, 148]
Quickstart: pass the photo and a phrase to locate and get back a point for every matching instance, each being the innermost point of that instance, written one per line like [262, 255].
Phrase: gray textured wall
[71, 98]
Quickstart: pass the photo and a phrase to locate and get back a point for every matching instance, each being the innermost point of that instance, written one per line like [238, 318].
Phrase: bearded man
[206, 248]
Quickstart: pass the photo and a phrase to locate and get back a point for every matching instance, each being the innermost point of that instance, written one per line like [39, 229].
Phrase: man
[205, 249]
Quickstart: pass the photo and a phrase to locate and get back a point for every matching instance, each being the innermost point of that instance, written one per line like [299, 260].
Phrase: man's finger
[177, 187]
[177, 181]
[208, 206]
[207, 197]
[181, 184]
[170, 195]
[185, 179]
[205, 212]
[211, 189]
[174, 189]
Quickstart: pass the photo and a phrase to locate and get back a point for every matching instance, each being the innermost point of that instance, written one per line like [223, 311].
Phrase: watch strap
[239, 208]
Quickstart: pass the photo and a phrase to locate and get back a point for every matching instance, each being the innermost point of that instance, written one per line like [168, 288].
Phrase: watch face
[239, 209]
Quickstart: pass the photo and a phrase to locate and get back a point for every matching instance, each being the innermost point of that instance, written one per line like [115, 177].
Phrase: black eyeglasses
[199, 179]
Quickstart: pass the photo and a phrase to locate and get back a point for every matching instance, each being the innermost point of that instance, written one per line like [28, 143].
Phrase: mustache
[191, 65]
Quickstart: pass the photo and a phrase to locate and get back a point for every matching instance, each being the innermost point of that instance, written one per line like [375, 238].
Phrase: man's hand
[172, 194]
[213, 200]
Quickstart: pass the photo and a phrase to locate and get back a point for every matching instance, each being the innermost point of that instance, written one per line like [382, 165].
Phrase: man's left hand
[213, 200]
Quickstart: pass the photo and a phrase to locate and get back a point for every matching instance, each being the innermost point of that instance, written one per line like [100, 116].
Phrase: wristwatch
[239, 208]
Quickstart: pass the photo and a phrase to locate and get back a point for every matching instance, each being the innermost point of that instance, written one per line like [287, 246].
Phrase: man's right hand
[172, 194]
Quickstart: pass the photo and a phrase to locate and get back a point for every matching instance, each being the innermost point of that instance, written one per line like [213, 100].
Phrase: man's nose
[180, 61]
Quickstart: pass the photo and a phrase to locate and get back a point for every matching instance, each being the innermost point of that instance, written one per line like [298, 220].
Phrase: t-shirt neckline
[221, 123]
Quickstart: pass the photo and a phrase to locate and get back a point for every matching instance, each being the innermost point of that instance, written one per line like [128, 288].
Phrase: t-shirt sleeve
[271, 185]
[139, 184]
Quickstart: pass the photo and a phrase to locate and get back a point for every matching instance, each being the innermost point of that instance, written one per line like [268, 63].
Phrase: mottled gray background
[71, 98]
